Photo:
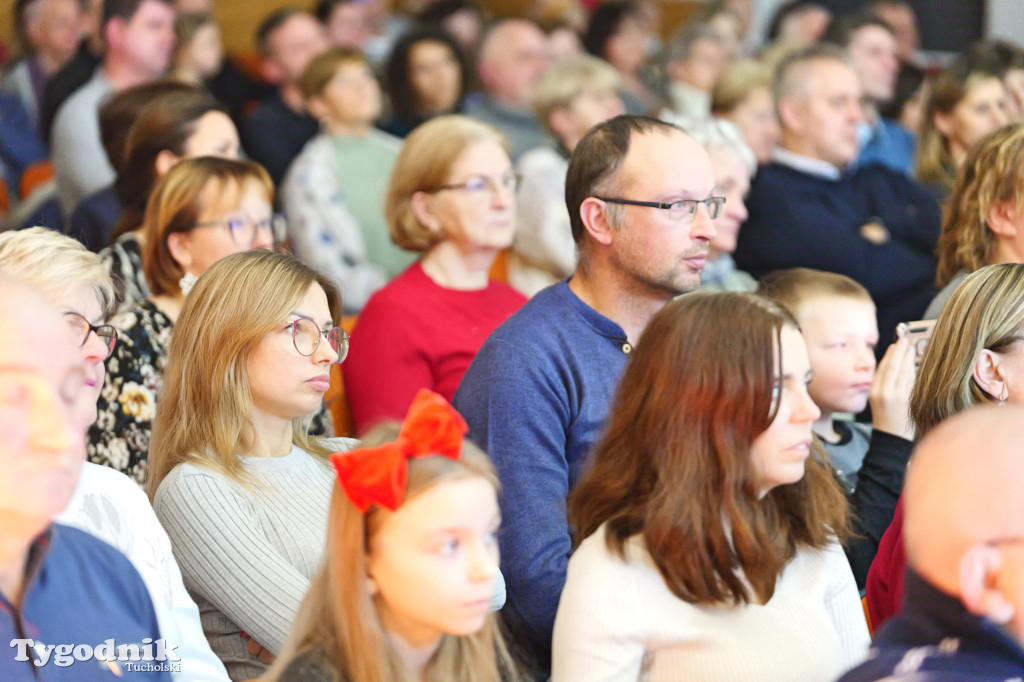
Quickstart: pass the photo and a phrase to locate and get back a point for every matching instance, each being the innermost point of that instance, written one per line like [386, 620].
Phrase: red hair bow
[378, 475]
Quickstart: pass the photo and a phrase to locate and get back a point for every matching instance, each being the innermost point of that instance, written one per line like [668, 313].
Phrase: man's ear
[988, 373]
[419, 203]
[112, 32]
[789, 115]
[979, 578]
[165, 161]
[594, 214]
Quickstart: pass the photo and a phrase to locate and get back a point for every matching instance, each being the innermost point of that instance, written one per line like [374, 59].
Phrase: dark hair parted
[597, 156]
[270, 24]
[842, 31]
[165, 123]
[406, 103]
[675, 465]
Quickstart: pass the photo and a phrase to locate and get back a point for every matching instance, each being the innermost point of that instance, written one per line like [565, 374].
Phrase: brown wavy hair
[675, 465]
[992, 173]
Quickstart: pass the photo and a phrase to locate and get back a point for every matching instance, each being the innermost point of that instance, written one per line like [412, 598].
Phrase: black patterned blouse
[127, 406]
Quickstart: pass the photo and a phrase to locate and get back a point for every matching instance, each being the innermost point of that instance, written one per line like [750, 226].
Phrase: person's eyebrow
[326, 325]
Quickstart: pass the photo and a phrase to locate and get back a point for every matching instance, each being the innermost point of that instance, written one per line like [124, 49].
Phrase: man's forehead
[667, 158]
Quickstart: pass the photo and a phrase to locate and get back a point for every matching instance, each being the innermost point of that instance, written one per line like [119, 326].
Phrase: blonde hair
[206, 400]
[992, 173]
[566, 80]
[338, 614]
[423, 165]
[324, 67]
[739, 79]
[793, 287]
[56, 264]
[948, 88]
[985, 311]
[176, 204]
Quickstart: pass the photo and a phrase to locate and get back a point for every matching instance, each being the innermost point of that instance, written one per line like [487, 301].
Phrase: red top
[884, 586]
[414, 334]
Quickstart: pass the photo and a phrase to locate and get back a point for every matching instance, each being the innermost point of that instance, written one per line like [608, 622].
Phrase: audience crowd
[674, 353]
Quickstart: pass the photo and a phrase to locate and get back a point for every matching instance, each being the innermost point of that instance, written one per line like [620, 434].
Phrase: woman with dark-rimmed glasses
[235, 478]
[201, 210]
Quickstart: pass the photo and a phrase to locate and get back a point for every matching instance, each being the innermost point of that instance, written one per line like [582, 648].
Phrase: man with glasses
[639, 194]
[815, 207]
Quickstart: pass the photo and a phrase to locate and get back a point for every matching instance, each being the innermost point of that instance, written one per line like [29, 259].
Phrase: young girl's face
[432, 563]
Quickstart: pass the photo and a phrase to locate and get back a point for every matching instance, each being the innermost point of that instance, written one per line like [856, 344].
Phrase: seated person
[871, 44]
[452, 198]
[333, 194]
[733, 164]
[619, 32]
[513, 56]
[94, 218]
[966, 104]
[426, 75]
[274, 132]
[708, 524]
[837, 318]
[963, 617]
[983, 223]
[58, 585]
[175, 125]
[238, 483]
[694, 62]
[198, 49]
[969, 361]
[811, 209]
[571, 97]
[105, 503]
[378, 591]
[743, 96]
[201, 210]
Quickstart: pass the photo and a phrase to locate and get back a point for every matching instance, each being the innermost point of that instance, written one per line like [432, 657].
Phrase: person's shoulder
[385, 140]
[89, 553]
[544, 158]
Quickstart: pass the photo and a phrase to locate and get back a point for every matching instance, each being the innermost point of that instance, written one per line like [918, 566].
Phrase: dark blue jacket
[935, 639]
[79, 591]
[802, 220]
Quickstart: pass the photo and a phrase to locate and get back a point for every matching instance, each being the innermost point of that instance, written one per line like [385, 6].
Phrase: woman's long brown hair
[675, 467]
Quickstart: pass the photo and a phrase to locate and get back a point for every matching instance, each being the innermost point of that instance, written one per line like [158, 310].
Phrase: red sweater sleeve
[884, 587]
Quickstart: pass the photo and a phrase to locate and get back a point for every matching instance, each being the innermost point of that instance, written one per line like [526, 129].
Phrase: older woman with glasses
[235, 478]
[202, 210]
[106, 503]
[452, 198]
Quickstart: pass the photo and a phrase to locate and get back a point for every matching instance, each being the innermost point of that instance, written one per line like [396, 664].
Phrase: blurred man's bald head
[963, 527]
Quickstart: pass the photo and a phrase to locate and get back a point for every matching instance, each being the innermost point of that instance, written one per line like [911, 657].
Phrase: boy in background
[838, 321]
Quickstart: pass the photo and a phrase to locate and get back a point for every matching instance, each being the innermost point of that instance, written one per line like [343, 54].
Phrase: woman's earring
[187, 281]
[1003, 395]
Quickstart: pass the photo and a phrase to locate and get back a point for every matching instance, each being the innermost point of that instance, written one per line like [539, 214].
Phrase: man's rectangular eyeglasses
[105, 332]
[677, 210]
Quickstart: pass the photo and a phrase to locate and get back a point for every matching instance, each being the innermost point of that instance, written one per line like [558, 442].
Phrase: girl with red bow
[408, 587]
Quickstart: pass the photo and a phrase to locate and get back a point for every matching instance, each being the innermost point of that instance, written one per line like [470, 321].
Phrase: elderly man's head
[513, 56]
[964, 513]
[43, 428]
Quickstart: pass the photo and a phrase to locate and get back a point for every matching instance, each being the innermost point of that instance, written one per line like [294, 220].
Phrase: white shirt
[618, 621]
[110, 506]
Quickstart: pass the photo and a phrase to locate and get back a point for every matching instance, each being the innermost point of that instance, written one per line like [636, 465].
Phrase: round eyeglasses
[105, 332]
[306, 336]
[245, 231]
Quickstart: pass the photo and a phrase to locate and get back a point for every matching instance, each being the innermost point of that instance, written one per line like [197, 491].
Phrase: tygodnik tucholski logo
[149, 655]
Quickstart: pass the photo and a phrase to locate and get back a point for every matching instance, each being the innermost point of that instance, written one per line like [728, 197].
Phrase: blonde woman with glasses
[237, 481]
[202, 210]
[451, 198]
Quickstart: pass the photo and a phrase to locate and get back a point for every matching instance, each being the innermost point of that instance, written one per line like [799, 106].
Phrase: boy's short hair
[793, 287]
